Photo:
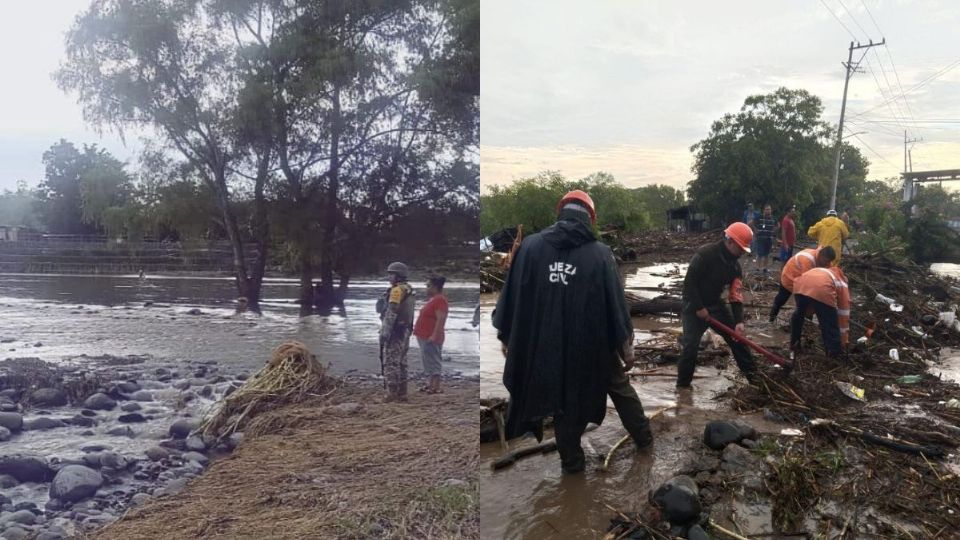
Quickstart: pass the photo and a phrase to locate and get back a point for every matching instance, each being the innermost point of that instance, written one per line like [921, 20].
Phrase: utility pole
[851, 68]
[908, 158]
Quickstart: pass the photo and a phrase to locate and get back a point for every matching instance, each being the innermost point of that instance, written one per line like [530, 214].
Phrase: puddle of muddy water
[533, 500]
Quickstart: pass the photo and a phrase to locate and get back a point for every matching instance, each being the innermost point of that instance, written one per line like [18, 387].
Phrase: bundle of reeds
[291, 375]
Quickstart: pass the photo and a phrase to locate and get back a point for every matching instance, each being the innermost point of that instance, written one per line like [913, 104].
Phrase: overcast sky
[628, 86]
[34, 113]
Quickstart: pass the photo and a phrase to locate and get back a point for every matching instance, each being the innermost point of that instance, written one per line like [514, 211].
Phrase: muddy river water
[73, 315]
[533, 500]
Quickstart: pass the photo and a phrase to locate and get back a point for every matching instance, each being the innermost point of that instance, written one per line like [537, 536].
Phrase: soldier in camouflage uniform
[395, 331]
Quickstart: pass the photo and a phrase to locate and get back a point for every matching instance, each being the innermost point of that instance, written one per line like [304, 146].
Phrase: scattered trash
[886, 300]
[891, 389]
[953, 404]
[896, 308]
[851, 391]
[948, 318]
[863, 339]
[894, 354]
[910, 379]
[791, 432]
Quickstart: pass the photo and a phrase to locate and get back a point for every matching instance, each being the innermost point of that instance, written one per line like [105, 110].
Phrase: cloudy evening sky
[627, 87]
[34, 113]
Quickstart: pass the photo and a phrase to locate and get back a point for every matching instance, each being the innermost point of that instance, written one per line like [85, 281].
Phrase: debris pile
[876, 425]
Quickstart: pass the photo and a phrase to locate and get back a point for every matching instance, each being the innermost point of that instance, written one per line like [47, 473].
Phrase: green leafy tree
[658, 199]
[532, 202]
[776, 150]
[19, 208]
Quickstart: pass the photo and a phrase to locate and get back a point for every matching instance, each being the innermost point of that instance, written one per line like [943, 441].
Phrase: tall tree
[159, 64]
[775, 150]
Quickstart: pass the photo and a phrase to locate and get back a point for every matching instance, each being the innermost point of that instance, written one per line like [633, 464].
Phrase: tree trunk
[306, 280]
[670, 305]
[246, 287]
[326, 297]
[262, 229]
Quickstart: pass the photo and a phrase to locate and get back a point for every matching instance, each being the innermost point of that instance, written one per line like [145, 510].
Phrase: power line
[875, 152]
[896, 74]
[865, 33]
[838, 20]
[917, 86]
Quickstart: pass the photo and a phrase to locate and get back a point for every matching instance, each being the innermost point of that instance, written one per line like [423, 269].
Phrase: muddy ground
[813, 482]
[344, 466]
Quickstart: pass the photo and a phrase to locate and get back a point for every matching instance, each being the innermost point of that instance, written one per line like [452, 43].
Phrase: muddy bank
[343, 466]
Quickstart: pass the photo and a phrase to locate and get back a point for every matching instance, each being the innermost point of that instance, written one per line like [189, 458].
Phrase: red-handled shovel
[740, 338]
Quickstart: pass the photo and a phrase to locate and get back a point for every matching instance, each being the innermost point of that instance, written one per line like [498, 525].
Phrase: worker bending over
[794, 268]
[823, 291]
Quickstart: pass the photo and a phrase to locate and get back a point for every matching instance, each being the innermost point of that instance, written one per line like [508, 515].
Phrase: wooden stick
[731, 534]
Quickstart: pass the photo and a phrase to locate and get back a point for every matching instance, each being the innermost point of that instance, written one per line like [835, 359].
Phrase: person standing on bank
[395, 331]
[564, 326]
[766, 228]
[714, 268]
[429, 332]
[788, 235]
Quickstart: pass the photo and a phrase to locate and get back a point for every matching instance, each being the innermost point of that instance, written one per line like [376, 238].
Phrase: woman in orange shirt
[429, 332]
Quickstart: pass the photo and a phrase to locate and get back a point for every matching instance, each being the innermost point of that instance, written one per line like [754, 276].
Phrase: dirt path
[348, 466]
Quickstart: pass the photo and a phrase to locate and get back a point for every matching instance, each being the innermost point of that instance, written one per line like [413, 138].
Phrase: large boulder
[181, 428]
[679, 500]
[131, 418]
[141, 395]
[26, 468]
[719, 433]
[48, 397]
[22, 517]
[43, 422]
[128, 387]
[12, 421]
[99, 402]
[74, 483]
[130, 406]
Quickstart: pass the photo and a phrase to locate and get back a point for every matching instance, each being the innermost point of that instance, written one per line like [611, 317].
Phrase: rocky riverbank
[86, 439]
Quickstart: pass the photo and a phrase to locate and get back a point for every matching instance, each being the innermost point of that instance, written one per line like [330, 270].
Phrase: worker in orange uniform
[794, 268]
[830, 231]
[823, 291]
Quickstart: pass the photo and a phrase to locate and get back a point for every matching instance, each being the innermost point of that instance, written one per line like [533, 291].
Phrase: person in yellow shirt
[830, 231]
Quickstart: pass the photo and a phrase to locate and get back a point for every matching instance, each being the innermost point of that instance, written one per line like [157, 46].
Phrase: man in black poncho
[564, 324]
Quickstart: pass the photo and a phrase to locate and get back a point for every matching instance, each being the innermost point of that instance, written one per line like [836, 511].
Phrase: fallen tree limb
[543, 448]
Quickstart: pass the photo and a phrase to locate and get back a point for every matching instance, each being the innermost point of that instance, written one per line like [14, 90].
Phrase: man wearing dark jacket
[564, 324]
[713, 268]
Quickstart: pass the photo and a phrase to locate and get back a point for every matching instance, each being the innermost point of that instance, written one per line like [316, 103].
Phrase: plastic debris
[910, 379]
[791, 432]
[863, 339]
[894, 354]
[851, 391]
[953, 404]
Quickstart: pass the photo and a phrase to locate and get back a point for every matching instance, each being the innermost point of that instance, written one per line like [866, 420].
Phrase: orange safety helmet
[581, 196]
[741, 233]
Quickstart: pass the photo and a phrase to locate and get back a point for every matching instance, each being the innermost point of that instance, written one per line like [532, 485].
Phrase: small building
[10, 233]
[686, 219]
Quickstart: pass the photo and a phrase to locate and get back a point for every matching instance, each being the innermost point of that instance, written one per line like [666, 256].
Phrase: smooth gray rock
[122, 432]
[48, 397]
[7, 481]
[678, 498]
[141, 395]
[130, 406]
[12, 421]
[128, 387]
[697, 533]
[26, 468]
[173, 487]
[157, 454]
[5, 434]
[131, 418]
[114, 460]
[14, 533]
[195, 443]
[181, 428]
[100, 402]
[139, 498]
[22, 517]
[196, 456]
[74, 483]
[43, 422]
[82, 421]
